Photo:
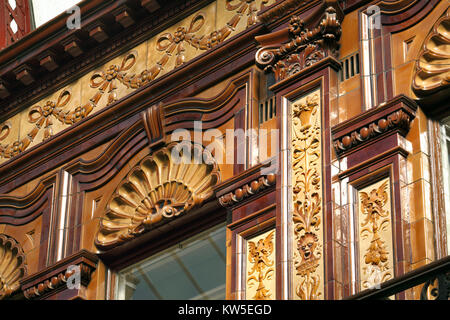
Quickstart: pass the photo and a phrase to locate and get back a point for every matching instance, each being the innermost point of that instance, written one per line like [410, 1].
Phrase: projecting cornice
[393, 116]
[56, 281]
[303, 42]
[249, 184]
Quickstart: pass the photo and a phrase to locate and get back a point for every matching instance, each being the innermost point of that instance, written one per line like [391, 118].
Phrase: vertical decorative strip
[375, 234]
[306, 164]
[260, 283]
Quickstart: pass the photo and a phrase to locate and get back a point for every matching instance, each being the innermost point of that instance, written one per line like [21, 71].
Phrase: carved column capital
[303, 42]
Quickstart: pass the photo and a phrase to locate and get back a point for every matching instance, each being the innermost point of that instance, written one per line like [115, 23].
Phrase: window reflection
[193, 269]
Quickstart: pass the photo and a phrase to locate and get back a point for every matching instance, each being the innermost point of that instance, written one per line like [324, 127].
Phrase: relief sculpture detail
[307, 197]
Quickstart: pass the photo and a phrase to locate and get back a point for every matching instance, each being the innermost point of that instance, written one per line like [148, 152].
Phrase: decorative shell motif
[162, 186]
[12, 266]
[433, 66]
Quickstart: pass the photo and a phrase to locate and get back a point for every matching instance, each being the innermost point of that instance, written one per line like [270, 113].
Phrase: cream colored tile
[174, 45]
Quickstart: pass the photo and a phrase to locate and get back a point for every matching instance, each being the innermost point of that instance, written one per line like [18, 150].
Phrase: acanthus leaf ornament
[307, 197]
[303, 42]
[167, 184]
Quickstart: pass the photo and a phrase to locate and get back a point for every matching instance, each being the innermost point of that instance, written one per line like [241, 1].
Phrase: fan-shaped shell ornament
[12, 266]
[164, 185]
[432, 72]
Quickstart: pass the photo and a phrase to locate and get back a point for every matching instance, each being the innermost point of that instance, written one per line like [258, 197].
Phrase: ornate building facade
[226, 149]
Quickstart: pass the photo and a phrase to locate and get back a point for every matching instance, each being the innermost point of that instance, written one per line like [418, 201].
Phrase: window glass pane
[193, 269]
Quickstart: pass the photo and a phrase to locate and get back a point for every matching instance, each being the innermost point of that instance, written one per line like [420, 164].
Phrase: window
[194, 269]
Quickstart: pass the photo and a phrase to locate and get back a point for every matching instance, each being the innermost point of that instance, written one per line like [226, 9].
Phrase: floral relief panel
[306, 162]
[376, 261]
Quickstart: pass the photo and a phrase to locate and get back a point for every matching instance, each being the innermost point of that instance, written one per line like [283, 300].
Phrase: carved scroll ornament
[303, 43]
[165, 185]
[12, 266]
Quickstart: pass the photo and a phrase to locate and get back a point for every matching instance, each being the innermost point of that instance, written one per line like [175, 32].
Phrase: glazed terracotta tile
[28, 235]
[420, 193]
[97, 286]
[401, 73]
[418, 167]
[350, 39]
[350, 84]
[422, 241]
[32, 260]
[349, 105]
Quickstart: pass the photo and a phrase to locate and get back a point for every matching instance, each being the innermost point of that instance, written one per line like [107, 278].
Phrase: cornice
[247, 190]
[280, 9]
[395, 115]
[248, 184]
[53, 280]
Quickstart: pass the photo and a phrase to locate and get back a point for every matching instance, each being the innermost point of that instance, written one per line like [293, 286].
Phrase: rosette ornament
[167, 184]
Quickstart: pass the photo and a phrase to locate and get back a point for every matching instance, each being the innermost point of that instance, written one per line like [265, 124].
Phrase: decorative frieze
[306, 161]
[12, 266]
[170, 50]
[375, 234]
[260, 281]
